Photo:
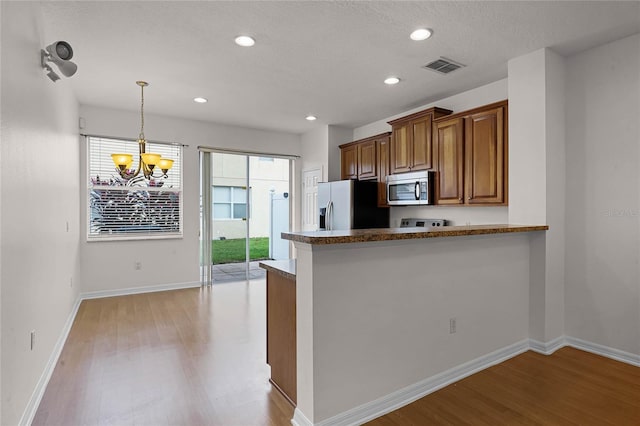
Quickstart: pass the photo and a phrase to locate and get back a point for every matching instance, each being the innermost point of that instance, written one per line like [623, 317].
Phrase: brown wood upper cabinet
[349, 162]
[361, 159]
[367, 159]
[411, 147]
[449, 153]
[471, 156]
[383, 142]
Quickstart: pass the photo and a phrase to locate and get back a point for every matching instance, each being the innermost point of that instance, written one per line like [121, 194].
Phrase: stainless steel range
[413, 222]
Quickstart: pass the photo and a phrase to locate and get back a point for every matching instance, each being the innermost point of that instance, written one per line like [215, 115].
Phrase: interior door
[310, 204]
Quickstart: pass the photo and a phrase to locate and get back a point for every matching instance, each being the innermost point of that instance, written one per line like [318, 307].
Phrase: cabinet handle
[459, 199]
[469, 198]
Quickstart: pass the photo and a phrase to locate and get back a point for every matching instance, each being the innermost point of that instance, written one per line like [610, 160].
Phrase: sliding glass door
[245, 206]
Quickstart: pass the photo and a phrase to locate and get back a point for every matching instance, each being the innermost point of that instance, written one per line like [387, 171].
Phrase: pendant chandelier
[147, 162]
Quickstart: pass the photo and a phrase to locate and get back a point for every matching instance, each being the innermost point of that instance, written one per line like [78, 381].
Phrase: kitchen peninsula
[385, 315]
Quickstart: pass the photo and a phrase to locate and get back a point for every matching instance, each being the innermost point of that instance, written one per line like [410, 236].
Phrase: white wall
[537, 179]
[555, 151]
[479, 96]
[170, 261]
[40, 217]
[315, 150]
[376, 324]
[603, 195]
[527, 157]
[337, 136]
[492, 92]
[1, 8]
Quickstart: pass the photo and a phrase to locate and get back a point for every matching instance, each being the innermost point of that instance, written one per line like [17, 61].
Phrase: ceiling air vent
[443, 65]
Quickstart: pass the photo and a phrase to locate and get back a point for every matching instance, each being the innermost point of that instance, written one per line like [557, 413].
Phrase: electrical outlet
[138, 265]
[67, 226]
[33, 339]
[71, 282]
[452, 325]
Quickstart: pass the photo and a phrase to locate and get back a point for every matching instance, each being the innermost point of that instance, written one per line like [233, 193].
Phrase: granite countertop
[388, 234]
[286, 268]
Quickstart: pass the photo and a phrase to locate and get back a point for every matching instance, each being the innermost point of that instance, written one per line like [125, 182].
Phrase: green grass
[231, 251]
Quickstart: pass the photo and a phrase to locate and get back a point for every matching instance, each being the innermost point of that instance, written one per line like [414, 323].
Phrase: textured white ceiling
[324, 58]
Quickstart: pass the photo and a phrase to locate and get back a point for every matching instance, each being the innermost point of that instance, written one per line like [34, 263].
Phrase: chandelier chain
[141, 111]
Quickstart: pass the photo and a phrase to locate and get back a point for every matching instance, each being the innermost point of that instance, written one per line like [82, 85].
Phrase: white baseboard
[550, 347]
[547, 348]
[36, 397]
[32, 406]
[605, 351]
[299, 419]
[138, 290]
[402, 397]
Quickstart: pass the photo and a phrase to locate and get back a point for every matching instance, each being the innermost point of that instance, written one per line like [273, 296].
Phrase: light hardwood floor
[569, 387]
[184, 357]
[197, 357]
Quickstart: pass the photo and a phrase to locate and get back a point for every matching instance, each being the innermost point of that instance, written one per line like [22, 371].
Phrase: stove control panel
[420, 223]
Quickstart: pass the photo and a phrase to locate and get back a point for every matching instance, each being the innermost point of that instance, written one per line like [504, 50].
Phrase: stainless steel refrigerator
[350, 204]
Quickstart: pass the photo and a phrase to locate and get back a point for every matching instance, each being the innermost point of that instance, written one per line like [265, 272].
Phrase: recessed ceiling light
[200, 100]
[311, 117]
[391, 80]
[245, 41]
[421, 34]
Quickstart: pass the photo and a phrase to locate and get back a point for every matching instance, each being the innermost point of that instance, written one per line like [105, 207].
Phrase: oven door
[407, 192]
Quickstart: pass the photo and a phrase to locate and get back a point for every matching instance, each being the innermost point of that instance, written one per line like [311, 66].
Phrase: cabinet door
[349, 162]
[367, 160]
[383, 170]
[485, 152]
[448, 136]
[281, 333]
[400, 152]
[421, 144]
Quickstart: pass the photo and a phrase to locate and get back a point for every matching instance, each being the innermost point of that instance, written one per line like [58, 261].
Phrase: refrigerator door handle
[326, 216]
[329, 215]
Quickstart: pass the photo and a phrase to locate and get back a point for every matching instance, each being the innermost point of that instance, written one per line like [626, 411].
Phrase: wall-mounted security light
[58, 53]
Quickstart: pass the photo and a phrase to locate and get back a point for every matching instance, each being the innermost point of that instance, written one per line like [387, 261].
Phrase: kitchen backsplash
[456, 215]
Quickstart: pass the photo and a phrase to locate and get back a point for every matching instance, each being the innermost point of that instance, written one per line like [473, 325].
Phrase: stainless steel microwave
[410, 189]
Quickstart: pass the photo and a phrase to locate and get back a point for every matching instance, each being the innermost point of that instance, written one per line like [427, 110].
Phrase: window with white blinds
[135, 208]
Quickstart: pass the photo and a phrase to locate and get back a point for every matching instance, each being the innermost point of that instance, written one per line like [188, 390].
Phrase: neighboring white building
[267, 176]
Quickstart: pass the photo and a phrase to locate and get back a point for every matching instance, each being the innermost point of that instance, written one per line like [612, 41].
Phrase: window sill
[139, 237]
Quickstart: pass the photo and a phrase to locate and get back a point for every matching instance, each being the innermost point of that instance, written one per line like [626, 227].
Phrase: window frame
[134, 236]
[231, 202]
